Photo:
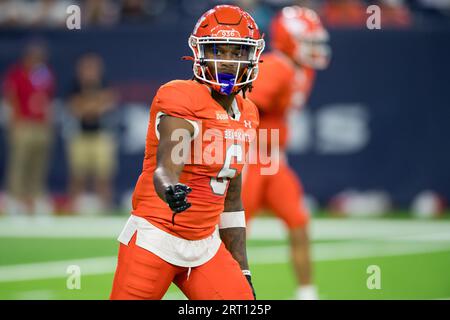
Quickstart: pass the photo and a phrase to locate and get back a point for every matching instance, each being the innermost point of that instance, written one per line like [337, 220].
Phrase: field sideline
[413, 255]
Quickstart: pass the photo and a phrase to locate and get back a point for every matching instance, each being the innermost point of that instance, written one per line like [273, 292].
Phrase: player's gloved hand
[249, 279]
[176, 198]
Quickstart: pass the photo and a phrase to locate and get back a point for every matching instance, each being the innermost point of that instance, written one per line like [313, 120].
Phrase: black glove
[249, 279]
[176, 198]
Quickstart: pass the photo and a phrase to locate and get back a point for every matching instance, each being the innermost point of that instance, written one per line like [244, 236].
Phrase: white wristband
[235, 219]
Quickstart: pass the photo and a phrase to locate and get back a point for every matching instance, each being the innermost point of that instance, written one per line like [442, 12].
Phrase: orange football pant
[140, 274]
[282, 193]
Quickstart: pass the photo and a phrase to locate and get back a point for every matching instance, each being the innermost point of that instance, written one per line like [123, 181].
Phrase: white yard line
[258, 255]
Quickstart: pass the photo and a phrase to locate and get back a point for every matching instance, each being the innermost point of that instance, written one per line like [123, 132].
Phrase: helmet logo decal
[228, 33]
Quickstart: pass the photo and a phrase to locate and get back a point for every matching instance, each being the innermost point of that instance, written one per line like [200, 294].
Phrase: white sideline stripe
[261, 228]
[339, 251]
[347, 229]
[262, 255]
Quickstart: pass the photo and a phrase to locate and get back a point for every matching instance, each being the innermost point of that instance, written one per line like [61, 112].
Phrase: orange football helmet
[226, 25]
[299, 33]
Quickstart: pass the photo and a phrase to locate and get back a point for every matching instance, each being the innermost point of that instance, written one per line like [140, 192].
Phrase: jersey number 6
[219, 185]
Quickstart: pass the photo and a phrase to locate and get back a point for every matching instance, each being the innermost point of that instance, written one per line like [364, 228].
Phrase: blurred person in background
[29, 89]
[285, 80]
[91, 148]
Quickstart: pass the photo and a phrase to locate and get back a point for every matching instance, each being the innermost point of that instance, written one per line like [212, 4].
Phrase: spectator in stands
[29, 89]
[91, 148]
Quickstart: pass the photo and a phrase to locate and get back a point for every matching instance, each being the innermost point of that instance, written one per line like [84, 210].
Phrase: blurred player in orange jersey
[188, 225]
[285, 79]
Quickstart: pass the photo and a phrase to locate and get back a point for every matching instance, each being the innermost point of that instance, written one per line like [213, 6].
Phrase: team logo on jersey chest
[211, 145]
[238, 135]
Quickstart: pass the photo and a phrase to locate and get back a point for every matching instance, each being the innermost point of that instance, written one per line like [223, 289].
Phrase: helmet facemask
[227, 64]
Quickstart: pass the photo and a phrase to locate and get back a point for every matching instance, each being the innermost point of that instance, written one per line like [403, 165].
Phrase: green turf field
[413, 257]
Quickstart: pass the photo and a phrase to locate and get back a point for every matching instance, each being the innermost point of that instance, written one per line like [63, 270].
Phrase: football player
[286, 76]
[187, 225]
